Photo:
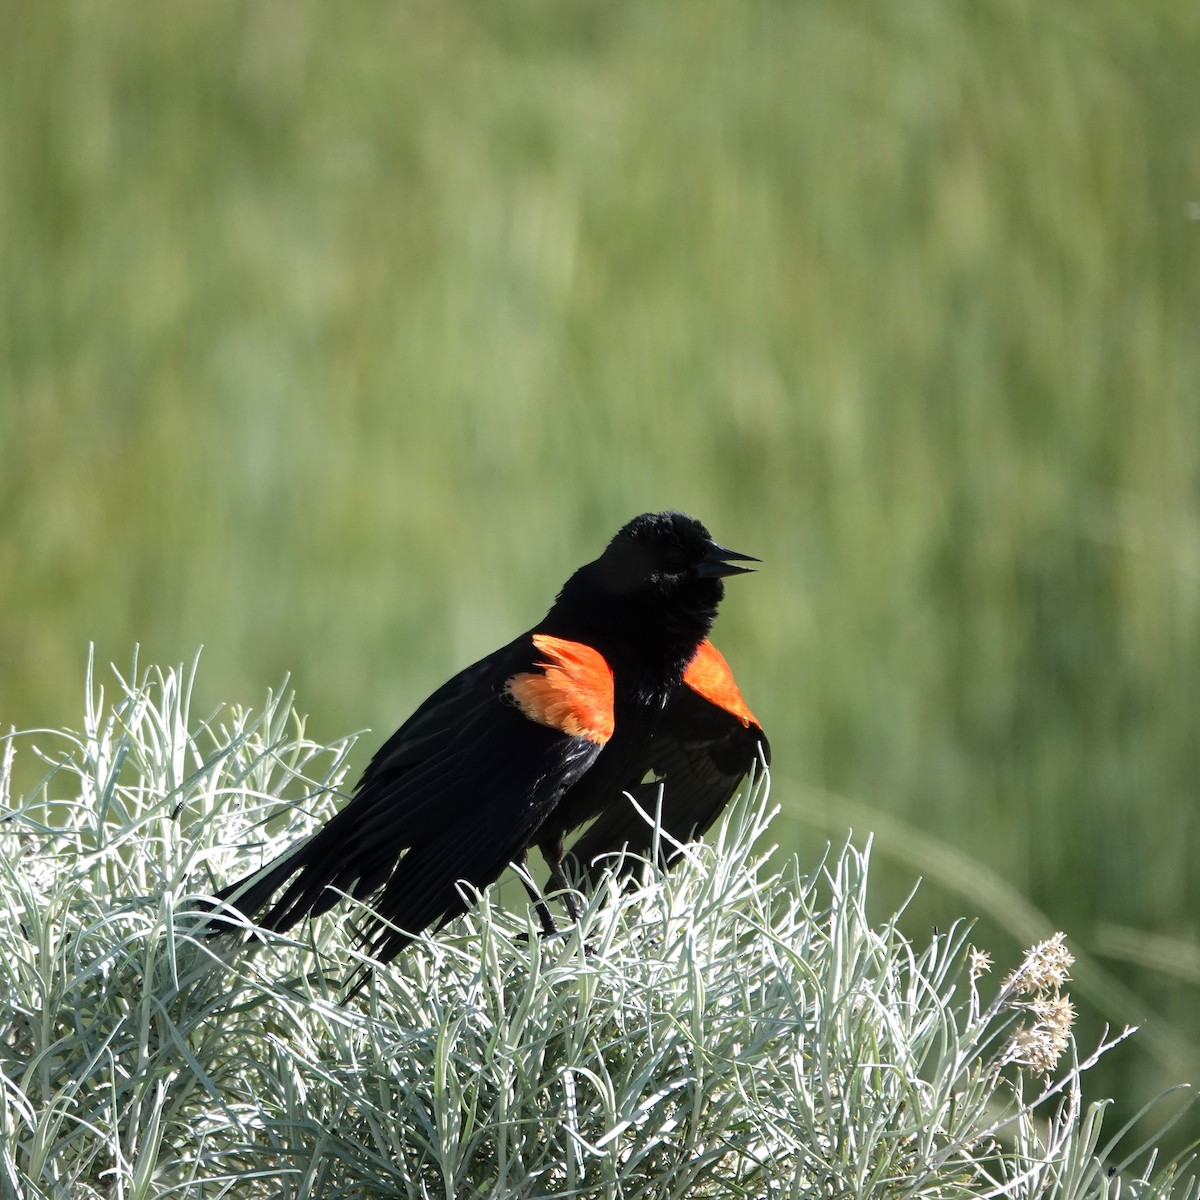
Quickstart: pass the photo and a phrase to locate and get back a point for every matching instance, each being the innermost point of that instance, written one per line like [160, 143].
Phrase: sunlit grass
[726, 1030]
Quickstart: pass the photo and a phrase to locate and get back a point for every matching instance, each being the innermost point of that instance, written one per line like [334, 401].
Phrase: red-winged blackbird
[616, 681]
[707, 741]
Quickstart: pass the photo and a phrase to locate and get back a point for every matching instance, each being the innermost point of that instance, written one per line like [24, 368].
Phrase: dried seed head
[1040, 1044]
[980, 963]
[1045, 969]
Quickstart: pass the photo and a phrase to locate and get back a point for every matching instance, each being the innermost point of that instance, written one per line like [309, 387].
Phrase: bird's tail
[250, 894]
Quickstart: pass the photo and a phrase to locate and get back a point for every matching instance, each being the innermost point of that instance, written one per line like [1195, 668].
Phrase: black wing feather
[454, 795]
[699, 755]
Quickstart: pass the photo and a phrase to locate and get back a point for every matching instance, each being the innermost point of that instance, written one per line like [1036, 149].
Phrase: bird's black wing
[454, 795]
[698, 756]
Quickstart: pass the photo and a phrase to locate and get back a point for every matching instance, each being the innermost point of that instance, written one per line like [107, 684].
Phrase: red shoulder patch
[572, 691]
[708, 675]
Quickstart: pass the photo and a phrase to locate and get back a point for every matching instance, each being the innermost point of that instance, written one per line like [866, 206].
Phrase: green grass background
[334, 336]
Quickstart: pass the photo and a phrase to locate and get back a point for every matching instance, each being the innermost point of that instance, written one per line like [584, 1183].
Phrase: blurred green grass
[334, 337]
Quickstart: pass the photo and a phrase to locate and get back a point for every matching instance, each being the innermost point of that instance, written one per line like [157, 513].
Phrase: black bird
[530, 742]
[706, 743]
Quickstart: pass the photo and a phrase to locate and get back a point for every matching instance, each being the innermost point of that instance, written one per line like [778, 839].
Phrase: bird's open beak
[719, 562]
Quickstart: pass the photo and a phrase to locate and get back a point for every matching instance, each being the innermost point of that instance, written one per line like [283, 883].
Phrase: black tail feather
[251, 894]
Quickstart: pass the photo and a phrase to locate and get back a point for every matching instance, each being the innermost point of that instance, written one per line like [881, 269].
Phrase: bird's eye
[675, 558]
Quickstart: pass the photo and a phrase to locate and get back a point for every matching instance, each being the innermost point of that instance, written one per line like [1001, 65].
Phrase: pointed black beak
[719, 562]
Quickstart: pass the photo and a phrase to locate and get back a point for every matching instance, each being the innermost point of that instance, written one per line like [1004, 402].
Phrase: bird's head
[658, 583]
